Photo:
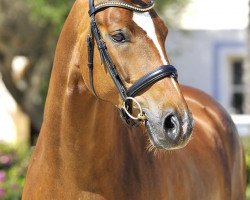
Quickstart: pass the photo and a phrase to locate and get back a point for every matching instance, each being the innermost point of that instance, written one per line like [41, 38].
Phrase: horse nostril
[168, 123]
[171, 126]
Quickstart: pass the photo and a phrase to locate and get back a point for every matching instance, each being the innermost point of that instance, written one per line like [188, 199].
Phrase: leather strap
[151, 78]
[90, 44]
[106, 59]
[91, 7]
[107, 4]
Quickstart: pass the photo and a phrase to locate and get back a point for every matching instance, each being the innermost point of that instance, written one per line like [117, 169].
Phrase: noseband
[127, 94]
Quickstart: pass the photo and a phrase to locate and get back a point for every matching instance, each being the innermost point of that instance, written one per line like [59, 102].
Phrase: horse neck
[79, 131]
[82, 136]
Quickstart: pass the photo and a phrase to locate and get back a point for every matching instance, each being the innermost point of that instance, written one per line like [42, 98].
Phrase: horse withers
[110, 61]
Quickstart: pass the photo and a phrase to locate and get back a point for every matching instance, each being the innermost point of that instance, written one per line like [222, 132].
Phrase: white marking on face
[145, 21]
[185, 127]
[176, 86]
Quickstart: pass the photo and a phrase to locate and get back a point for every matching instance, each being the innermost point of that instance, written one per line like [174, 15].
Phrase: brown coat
[85, 152]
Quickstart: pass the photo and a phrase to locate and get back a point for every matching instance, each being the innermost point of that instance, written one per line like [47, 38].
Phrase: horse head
[130, 36]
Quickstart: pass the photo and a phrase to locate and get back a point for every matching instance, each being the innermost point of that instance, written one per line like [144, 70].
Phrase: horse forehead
[144, 21]
[126, 17]
[118, 15]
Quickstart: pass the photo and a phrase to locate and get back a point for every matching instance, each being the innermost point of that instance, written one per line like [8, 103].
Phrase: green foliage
[13, 167]
[50, 12]
[248, 172]
[248, 166]
[246, 143]
[162, 4]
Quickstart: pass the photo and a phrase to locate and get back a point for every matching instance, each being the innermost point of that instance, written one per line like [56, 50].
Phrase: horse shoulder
[215, 128]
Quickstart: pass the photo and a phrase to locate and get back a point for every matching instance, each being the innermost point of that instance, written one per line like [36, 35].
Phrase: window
[238, 89]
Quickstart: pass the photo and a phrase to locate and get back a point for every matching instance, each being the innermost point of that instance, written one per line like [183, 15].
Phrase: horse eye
[120, 37]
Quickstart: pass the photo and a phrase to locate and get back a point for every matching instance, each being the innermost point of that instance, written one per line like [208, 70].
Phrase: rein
[127, 94]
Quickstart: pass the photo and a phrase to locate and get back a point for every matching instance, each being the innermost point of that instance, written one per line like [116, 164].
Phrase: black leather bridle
[149, 79]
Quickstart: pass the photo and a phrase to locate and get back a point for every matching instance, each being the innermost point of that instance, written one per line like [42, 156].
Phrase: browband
[98, 7]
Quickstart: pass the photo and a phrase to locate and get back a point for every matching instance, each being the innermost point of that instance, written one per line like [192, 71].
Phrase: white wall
[210, 15]
[203, 59]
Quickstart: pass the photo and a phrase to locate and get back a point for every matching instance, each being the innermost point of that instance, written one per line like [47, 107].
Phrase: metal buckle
[141, 116]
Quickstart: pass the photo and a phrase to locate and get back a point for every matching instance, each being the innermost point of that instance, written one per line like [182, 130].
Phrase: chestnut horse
[85, 151]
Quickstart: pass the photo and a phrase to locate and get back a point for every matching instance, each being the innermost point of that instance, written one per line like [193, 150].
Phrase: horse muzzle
[171, 131]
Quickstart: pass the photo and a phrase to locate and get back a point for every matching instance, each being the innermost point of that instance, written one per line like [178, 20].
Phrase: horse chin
[159, 141]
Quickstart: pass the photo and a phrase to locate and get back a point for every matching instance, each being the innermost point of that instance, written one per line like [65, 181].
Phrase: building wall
[247, 67]
[203, 58]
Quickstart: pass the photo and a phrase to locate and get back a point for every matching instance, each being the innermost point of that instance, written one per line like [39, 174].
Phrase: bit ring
[141, 116]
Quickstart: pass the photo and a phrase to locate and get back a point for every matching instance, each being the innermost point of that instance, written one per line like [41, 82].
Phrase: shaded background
[208, 42]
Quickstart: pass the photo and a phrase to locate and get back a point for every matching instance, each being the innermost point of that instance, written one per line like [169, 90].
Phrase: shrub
[13, 167]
